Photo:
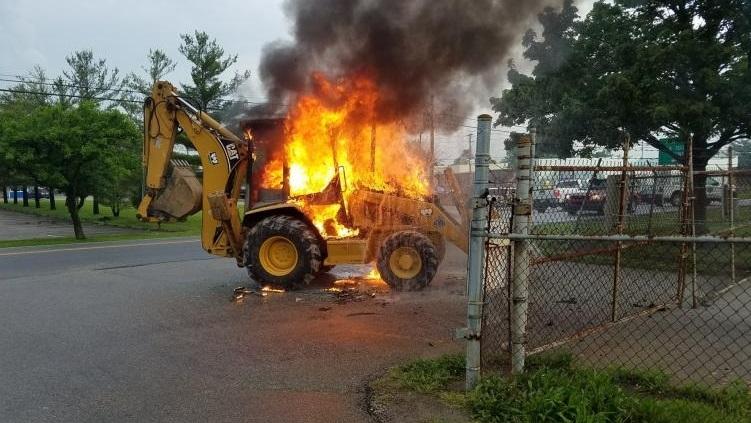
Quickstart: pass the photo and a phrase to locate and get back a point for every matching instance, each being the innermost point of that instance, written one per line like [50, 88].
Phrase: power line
[54, 84]
[69, 96]
[24, 80]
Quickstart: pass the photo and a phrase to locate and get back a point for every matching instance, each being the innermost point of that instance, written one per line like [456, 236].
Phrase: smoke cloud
[451, 51]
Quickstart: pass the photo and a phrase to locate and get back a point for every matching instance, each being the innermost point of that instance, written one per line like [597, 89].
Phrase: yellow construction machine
[277, 241]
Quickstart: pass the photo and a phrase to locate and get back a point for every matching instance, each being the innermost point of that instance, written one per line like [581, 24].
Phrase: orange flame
[334, 128]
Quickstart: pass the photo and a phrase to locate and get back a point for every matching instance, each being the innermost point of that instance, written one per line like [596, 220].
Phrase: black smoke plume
[448, 52]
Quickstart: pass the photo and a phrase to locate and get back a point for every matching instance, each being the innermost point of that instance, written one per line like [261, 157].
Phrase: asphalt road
[146, 332]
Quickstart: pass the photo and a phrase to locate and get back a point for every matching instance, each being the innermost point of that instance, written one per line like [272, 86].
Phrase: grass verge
[127, 220]
[39, 242]
[555, 389]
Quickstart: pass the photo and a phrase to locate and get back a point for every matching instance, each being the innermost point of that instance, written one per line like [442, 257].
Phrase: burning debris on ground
[352, 288]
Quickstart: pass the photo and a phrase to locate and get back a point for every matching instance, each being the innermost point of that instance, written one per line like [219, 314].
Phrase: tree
[81, 146]
[209, 62]
[648, 68]
[88, 78]
[157, 67]
[20, 164]
[533, 99]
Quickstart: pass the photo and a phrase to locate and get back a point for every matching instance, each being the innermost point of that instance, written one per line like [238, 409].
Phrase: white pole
[522, 222]
[476, 260]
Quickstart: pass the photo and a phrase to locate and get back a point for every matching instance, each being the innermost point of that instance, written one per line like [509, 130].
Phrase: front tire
[407, 260]
[282, 251]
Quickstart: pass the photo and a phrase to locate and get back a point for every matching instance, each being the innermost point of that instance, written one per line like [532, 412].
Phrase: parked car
[594, 199]
[673, 191]
[544, 199]
[650, 190]
[566, 187]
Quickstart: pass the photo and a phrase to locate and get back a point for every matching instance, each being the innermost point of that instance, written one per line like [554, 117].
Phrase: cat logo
[232, 152]
[213, 159]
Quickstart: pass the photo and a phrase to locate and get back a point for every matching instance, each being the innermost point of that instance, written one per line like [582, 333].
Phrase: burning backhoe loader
[324, 217]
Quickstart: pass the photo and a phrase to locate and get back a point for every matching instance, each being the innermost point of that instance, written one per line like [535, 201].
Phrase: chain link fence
[636, 266]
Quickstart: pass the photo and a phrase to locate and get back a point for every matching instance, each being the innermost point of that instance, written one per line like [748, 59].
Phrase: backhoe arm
[172, 189]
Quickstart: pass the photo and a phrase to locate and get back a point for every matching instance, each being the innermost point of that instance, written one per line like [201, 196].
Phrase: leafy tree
[34, 89]
[534, 99]
[19, 164]
[82, 147]
[209, 62]
[649, 68]
[88, 78]
[157, 67]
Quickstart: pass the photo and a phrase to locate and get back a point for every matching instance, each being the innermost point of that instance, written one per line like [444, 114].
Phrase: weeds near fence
[429, 375]
[557, 388]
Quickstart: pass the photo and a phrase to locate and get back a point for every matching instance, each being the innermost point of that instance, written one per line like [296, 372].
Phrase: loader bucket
[181, 196]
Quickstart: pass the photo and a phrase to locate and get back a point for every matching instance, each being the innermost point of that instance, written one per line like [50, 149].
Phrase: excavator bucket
[181, 196]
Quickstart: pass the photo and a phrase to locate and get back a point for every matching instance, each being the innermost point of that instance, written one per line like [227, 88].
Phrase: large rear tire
[407, 260]
[282, 251]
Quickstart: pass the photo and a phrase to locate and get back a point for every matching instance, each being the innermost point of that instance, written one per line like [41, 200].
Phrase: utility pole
[469, 145]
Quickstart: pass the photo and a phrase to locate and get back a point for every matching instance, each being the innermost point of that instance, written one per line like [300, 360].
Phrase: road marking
[98, 247]
[128, 266]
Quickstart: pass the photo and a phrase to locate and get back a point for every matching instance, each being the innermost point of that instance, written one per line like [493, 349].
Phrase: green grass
[712, 259]
[556, 389]
[663, 223]
[37, 242]
[127, 219]
[429, 375]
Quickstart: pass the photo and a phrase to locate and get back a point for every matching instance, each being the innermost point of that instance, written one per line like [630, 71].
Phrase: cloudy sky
[44, 32]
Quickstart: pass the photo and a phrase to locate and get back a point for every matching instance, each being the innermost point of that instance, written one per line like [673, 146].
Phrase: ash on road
[146, 331]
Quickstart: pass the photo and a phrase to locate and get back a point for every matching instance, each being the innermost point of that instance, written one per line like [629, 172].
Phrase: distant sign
[673, 144]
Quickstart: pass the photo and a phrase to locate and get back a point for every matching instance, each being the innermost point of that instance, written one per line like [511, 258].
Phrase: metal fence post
[476, 258]
[731, 212]
[522, 223]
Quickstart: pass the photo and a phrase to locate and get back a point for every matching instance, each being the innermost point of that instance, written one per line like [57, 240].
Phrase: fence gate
[631, 266]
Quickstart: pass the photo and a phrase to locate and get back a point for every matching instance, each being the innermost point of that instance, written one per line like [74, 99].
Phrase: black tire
[424, 248]
[300, 235]
[675, 199]
[439, 243]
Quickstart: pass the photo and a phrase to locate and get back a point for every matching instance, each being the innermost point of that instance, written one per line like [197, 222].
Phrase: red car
[594, 199]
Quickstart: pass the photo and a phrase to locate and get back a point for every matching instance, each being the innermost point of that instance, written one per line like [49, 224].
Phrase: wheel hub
[278, 256]
[405, 262]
